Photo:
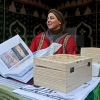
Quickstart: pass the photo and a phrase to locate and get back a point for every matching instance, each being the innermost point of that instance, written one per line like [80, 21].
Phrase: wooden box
[91, 52]
[62, 72]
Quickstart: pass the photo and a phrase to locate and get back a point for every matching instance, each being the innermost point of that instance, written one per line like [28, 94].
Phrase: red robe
[70, 45]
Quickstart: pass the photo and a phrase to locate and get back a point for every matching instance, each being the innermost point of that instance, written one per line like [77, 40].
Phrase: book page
[14, 55]
[9, 58]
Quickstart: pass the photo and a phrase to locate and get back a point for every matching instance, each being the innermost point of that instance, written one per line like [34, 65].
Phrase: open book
[16, 59]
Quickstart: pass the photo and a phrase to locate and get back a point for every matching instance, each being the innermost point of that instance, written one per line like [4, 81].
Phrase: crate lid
[59, 61]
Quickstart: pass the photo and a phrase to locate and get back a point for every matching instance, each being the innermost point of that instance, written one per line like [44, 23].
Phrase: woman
[57, 33]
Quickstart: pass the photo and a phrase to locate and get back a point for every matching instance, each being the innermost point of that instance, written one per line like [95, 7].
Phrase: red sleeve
[71, 45]
[33, 45]
[35, 42]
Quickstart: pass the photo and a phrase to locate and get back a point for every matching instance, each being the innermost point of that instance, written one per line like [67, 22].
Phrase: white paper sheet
[42, 93]
[47, 51]
[95, 69]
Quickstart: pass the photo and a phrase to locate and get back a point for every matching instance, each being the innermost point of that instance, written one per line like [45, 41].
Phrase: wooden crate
[62, 72]
[91, 52]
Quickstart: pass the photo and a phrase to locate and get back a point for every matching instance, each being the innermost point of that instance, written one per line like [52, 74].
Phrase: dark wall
[14, 19]
[87, 22]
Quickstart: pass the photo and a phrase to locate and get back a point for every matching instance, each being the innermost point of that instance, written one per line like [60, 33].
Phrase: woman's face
[52, 22]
